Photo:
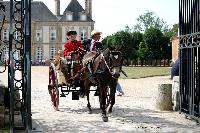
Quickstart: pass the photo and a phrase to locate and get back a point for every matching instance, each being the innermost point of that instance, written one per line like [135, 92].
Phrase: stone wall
[175, 93]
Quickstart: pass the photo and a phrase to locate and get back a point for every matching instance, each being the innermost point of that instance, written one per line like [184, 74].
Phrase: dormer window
[69, 17]
[83, 17]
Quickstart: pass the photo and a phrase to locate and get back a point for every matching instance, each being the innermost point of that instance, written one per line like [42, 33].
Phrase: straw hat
[94, 32]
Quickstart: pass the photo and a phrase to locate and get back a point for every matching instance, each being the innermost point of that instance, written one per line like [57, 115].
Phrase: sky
[111, 16]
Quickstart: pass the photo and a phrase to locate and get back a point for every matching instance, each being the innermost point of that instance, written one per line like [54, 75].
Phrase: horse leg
[87, 88]
[112, 98]
[103, 103]
[82, 89]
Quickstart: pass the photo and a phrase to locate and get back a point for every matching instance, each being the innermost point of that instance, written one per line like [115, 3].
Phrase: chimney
[88, 7]
[57, 7]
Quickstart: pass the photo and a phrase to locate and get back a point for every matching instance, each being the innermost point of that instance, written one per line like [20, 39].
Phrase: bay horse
[107, 67]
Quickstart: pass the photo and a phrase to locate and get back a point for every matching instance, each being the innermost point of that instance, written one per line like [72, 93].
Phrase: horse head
[113, 60]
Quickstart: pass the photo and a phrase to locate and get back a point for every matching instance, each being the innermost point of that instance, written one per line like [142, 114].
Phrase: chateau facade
[48, 30]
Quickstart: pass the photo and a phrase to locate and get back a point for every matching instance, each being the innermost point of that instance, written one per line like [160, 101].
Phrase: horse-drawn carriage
[75, 74]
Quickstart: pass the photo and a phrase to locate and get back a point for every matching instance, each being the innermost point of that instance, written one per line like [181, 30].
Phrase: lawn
[141, 72]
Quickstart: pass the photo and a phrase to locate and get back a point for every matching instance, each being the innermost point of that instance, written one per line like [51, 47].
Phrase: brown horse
[107, 67]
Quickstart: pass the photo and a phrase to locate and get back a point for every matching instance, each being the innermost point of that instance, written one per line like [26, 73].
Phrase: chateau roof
[75, 8]
[39, 12]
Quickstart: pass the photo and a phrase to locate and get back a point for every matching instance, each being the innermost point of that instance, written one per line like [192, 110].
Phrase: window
[52, 35]
[69, 17]
[38, 35]
[5, 35]
[83, 34]
[39, 54]
[83, 17]
[5, 54]
[52, 52]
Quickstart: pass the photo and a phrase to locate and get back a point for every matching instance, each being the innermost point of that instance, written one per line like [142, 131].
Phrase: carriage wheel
[53, 86]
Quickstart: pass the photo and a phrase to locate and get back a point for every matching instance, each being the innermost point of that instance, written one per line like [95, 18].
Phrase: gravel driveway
[133, 112]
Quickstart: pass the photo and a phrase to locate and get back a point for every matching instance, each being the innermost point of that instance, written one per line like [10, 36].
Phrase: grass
[4, 130]
[142, 72]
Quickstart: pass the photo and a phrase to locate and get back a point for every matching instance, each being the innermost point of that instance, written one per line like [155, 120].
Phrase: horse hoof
[109, 111]
[56, 108]
[105, 119]
[89, 111]
[109, 114]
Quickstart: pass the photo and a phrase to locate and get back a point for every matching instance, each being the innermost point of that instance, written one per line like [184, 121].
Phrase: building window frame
[83, 17]
[5, 53]
[52, 35]
[5, 34]
[52, 53]
[38, 35]
[39, 56]
[69, 16]
[83, 34]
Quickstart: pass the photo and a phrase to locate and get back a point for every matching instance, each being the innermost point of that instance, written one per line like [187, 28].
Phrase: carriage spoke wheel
[53, 87]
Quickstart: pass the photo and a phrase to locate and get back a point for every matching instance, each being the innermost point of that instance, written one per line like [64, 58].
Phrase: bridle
[108, 63]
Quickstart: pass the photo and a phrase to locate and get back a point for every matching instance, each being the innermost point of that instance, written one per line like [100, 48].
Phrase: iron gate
[15, 55]
[189, 26]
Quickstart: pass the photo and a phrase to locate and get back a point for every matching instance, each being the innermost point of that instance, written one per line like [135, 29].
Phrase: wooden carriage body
[63, 76]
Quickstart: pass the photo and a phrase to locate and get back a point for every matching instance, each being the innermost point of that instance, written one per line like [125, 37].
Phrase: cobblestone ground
[133, 112]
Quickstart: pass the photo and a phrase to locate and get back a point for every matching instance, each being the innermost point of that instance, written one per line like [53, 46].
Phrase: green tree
[173, 31]
[153, 38]
[149, 19]
[142, 52]
[123, 40]
[137, 37]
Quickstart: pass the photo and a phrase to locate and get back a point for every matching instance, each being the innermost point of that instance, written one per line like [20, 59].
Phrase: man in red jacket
[72, 45]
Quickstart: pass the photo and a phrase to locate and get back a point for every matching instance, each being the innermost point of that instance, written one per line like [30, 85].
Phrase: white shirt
[92, 44]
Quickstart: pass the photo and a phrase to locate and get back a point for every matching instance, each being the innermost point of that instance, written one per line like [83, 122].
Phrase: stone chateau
[49, 29]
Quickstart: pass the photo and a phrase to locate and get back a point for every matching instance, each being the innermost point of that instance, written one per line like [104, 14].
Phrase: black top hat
[72, 32]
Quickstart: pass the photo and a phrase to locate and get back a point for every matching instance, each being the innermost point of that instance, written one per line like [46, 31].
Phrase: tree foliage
[149, 39]
[148, 20]
[153, 38]
[142, 52]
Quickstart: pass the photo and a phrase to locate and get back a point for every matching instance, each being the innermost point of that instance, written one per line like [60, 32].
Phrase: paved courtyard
[133, 112]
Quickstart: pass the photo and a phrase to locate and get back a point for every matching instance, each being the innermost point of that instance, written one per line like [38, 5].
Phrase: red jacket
[72, 47]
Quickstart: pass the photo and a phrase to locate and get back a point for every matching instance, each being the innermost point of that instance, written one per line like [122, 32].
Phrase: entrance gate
[189, 24]
[15, 55]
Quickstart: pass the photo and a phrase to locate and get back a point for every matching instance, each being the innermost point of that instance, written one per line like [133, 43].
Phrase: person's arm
[80, 46]
[66, 49]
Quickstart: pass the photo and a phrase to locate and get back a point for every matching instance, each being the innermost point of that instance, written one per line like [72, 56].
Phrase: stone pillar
[164, 97]
[175, 93]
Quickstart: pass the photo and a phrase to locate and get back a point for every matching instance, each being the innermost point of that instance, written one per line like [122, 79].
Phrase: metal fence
[16, 19]
[189, 27]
